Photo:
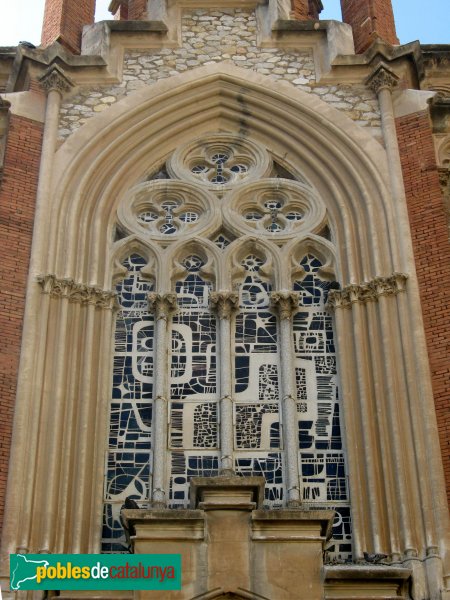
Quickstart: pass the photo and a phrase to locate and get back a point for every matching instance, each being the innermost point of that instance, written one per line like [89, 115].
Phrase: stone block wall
[215, 36]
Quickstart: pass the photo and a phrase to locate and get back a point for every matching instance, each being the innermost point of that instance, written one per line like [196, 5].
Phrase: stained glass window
[193, 385]
[274, 210]
[322, 462]
[128, 461]
[257, 396]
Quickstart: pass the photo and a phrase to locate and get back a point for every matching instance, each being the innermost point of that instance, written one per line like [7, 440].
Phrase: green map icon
[23, 569]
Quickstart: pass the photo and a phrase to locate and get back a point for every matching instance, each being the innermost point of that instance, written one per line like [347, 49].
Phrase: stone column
[419, 410]
[225, 304]
[29, 397]
[163, 306]
[285, 303]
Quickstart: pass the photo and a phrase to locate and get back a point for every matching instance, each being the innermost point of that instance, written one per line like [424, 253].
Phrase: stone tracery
[251, 269]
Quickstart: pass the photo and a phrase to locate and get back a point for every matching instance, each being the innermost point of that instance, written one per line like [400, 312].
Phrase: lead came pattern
[128, 459]
[256, 366]
[194, 411]
[322, 461]
[193, 405]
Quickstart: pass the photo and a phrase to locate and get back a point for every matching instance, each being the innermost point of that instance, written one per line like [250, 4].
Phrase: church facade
[226, 262]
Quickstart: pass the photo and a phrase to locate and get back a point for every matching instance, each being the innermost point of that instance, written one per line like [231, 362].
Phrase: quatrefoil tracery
[167, 209]
[275, 207]
[205, 196]
[220, 161]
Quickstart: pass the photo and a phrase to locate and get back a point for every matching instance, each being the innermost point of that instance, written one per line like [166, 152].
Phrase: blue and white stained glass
[193, 384]
[128, 463]
[257, 393]
[321, 456]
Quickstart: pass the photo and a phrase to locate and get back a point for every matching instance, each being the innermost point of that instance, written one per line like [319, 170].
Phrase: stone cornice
[162, 305]
[370, 291]
[77, 292]
[285, 303]
[382, 78]
[224, 303]
[54, 79]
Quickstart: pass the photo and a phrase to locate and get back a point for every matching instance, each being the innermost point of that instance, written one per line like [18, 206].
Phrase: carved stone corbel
[285, 303]
[224, 303]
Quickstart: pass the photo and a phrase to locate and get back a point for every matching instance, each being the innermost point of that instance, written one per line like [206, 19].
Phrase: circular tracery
[166, 209]
[220, 161]
[274, 207]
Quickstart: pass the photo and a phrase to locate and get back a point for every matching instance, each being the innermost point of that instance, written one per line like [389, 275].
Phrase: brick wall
[17, 202]
[432, 253]
[137, 9]
[370, 19]
[306, 9]
[64, 21]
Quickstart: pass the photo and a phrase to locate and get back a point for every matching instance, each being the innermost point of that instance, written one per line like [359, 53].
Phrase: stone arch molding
[65, 378]
[113, 151]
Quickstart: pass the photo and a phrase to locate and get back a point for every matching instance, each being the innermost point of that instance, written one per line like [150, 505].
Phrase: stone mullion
[68, 447]
[350, 408]
[52, 426]
[383, 422]
[163, 306]
[225, 305]
[286, 304]
[101, 432]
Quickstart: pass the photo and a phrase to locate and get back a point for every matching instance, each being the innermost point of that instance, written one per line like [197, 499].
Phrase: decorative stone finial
[285, 303]
[224, 303]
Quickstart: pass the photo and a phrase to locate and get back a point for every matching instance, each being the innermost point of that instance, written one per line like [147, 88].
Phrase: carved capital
[444, 178]
[54, 79]
[224, 303]
[369, 291]
[285, 303]
[162, 305]
[77, 292]
[5, 105]
[382, 78]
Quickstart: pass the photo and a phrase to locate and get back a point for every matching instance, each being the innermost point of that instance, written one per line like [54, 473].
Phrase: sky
[22, 20]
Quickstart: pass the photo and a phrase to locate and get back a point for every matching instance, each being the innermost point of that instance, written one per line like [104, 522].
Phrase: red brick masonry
[17, 204]
[64, 21]
[432, 252]
[370, 19]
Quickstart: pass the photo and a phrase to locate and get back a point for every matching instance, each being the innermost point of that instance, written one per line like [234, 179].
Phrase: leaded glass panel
[193, 384]
[257, 414]
[322, 462]
[128, 461]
